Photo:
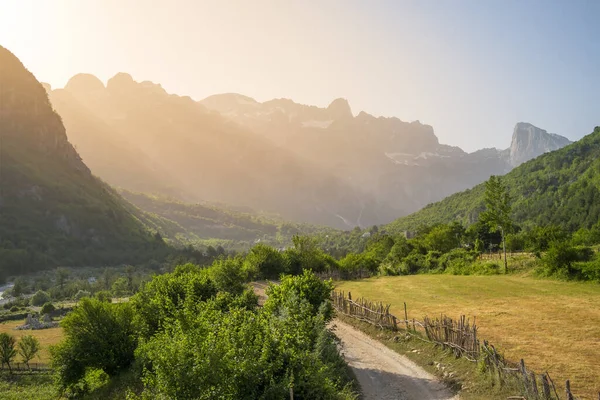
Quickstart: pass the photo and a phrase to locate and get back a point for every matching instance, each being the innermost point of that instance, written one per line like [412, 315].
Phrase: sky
[470, 68]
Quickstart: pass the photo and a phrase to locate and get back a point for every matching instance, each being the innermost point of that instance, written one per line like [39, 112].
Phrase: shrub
[589, 271]
[97, 335]
[306, 286]
[47, 308]
[165, 295]
[81, 294]
[14, 309]
[561, 256]
[264, 262]
[104, 296]
[40, 298]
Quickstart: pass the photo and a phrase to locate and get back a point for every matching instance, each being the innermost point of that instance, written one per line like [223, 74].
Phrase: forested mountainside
[209, 224]
[53, 211]
[401, 163]
[317, 165]
[561, 187]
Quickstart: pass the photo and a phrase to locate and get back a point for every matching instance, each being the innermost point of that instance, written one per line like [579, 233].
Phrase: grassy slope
[552, 325]
[561, 187]
[193, 223]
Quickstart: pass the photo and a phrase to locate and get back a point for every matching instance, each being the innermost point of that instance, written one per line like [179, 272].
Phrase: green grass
[47, 338]
[27, 387]
[553, 325]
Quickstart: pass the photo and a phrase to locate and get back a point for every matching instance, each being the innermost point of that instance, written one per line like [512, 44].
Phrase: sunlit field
[47, 337]
[553, 325]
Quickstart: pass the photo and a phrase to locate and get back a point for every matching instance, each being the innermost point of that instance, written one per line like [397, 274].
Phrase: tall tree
[497, 210]
[29, 347]
[62, 274]
[7, 349]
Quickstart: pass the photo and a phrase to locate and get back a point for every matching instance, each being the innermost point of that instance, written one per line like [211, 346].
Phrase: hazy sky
[472, 69]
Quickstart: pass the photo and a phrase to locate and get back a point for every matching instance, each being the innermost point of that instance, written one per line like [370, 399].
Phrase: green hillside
[53, 211]
[561, 187]
[183, 223]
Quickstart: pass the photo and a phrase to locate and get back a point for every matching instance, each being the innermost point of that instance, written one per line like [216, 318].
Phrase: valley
[280, 200]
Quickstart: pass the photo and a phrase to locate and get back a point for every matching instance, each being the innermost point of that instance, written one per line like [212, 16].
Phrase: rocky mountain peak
[529, 141]
[83, 84]
[340, 109]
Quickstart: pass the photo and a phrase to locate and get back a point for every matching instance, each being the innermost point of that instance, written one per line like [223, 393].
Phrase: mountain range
[560, 188]
[309, 164]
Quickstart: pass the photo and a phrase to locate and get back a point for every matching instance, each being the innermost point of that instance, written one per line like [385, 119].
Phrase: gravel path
[384, 374]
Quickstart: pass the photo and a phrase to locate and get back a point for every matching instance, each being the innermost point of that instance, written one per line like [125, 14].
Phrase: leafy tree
[306, 286]
[264, 262]
[120, 287]
[104, 296]
[443, 238]
[228, 275]
[40, 298]
[159, 300]
[497, 210]
[47, 308]
[62, 274]
[97, 335]
[7, 349]
[129, 272]
[19, 287]
[29, 347]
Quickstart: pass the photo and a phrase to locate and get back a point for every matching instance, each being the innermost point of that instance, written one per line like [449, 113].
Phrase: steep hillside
[53, 211]
[205, 223]
[561, 187]
[138, 137]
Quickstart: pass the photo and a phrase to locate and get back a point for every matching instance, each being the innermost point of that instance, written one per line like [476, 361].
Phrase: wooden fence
[19, 367]
[458, 336]
[373, 313]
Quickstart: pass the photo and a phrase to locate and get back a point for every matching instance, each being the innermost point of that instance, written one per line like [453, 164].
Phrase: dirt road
[384, 374]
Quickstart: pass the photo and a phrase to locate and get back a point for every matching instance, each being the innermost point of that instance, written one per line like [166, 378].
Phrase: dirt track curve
[384, 374]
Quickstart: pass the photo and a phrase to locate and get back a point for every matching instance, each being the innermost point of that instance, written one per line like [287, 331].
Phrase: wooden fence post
[546, 387]
[568, 390]
[406, 316]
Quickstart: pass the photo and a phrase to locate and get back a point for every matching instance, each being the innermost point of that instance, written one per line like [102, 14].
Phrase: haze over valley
[308, 164]
[298, 200]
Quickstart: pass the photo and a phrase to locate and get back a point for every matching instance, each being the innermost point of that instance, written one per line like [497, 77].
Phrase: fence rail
[33, 367]
[458, 336]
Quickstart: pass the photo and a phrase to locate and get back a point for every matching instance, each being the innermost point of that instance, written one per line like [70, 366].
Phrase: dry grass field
[553, 325]
[47, 337]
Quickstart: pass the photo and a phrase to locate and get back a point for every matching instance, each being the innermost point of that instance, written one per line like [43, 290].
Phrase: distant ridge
[561, 187]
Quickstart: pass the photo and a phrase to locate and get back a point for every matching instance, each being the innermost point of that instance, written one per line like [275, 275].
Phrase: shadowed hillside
[53, 211]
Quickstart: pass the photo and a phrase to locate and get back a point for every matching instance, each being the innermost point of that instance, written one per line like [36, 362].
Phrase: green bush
[560, 258]
[264, 262]
[104, 296]
[14, 309]
[306, 286]
[40, 298]
[589, 271]
[47, 308]
[81, 294]
[98, 335]
[215, 350]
